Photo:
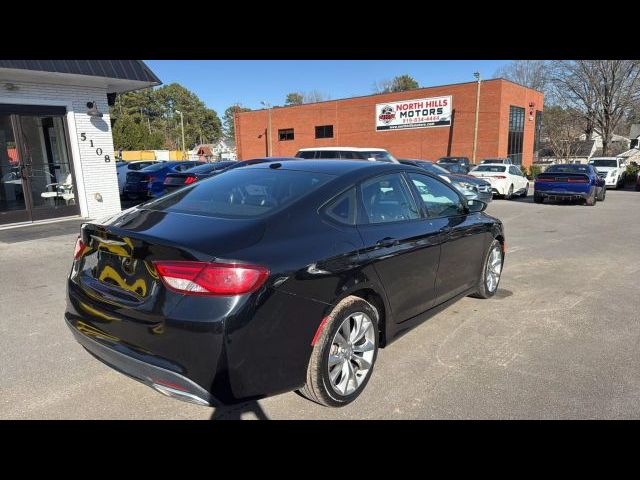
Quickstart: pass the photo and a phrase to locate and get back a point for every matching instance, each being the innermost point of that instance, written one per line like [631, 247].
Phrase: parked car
[495, 161]
[173, 181]
[612, 169]
[506, 180]
[123, 168]
[455, 164]
[149, 181]
[470, 186]
[347, 153]
[570, 182]
[276, 277]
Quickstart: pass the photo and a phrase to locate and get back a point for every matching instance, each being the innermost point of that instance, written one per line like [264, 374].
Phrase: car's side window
[438, 199]
[388, 199]
[343, 208]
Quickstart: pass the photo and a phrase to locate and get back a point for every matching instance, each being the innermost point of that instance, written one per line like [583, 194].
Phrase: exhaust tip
[179, 394]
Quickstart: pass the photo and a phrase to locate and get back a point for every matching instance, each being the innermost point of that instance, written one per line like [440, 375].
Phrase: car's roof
[604, 158]
[330, 166]
[494, 165]
[347, 149]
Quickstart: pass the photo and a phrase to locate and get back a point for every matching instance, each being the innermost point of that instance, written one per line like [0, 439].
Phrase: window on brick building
[285, 134]
[324, 131]
[516, 134]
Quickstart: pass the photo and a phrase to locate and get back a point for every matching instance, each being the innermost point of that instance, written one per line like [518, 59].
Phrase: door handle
[387, 242]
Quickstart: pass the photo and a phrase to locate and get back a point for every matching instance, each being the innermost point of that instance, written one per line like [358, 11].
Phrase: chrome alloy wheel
[351, 353]
[494, 268]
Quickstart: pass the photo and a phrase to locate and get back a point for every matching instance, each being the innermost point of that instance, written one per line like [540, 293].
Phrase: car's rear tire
[509, 194]
[538, 198]
[491, 271]
[603, 193]
[592, 199]
[340, 368]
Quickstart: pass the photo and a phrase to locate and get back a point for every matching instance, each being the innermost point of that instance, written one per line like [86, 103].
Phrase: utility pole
[182, 127]
[475, 129]
[269, 148]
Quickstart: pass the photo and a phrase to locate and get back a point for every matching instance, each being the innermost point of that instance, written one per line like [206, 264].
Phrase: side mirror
[476, 206]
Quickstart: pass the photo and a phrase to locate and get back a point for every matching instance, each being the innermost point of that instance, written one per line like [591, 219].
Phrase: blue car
[149, 181]
[569, 182]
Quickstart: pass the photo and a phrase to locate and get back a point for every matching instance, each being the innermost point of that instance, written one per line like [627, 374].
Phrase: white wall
[93, 174]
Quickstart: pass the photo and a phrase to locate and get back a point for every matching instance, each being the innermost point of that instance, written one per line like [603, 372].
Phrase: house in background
[215, 152]
[619, 144]
[634, 135]
[581, 152]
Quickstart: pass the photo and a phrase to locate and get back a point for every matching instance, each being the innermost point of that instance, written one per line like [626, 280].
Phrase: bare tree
[530, 73]
[603, 91]
[315, 96]
[560, 130]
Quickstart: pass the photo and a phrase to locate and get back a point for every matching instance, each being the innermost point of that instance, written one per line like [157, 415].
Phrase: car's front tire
[344, 354]
[491, 271]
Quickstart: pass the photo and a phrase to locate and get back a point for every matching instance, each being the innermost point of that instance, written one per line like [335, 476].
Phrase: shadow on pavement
[234, 412]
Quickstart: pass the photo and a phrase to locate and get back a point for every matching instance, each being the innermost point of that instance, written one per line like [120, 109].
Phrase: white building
[56, 149]
[213, 152]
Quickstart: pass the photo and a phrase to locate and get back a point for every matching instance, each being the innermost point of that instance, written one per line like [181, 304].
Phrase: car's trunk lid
[117, 264]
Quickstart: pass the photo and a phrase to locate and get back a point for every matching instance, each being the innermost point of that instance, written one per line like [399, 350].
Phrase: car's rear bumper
[561, 195]
[161, 379]
[135, 188]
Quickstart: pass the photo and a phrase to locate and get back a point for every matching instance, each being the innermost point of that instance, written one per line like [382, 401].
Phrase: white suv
[612, 169]
[347, 153]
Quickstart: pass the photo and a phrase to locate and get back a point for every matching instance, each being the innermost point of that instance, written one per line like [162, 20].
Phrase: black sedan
[176, 180]
[473, 188]
[278, 276]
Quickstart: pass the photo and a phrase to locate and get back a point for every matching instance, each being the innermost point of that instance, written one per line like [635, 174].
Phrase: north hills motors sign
[420, 113]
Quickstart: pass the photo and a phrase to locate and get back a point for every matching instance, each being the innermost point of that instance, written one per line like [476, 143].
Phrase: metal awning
[114, 75]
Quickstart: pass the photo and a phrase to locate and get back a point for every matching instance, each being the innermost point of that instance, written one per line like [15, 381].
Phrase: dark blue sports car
[570, 182]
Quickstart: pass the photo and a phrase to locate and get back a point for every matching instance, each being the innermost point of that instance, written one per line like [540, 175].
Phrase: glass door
[36, 176]
[51, 189]
[13, 203]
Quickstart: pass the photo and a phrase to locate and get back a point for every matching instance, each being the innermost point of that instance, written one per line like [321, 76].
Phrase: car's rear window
[568, 169]
[490, 168]
[380, 156]
[242, 193]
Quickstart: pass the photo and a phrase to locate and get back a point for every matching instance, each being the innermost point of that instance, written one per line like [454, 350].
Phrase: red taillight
[189, 180]
[79, 250]
[578, 180]
[201, 278]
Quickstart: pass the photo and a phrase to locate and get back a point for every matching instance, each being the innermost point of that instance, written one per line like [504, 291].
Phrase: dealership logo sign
[419, 113]
[386, 115]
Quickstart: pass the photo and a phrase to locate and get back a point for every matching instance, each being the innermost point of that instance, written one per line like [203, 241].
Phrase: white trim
[40, 222]
[75, 150]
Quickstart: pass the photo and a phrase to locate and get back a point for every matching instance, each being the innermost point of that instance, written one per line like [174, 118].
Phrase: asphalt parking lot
[561, 338]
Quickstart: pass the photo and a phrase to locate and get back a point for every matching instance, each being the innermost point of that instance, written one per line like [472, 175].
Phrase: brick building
[425, 123]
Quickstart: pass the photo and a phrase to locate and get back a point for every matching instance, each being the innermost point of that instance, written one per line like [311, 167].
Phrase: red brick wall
[353, 121]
